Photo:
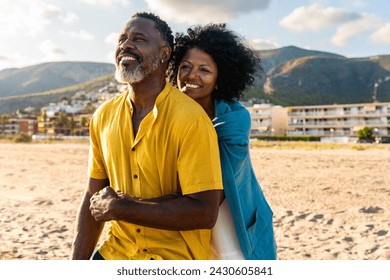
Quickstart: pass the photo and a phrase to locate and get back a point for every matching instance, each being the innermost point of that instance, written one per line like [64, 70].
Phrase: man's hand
[102, 204]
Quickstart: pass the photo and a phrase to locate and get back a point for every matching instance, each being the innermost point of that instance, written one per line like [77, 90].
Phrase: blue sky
[36, 31]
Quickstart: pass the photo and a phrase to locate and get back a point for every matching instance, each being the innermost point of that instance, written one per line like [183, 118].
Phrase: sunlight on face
[125, 74]
[197, 76]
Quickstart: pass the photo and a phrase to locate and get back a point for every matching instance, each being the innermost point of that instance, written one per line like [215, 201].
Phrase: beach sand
[331, 204]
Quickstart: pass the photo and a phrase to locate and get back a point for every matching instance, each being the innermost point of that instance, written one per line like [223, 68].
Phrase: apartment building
[342, 120]
[16, 125]
[268, 120]
[28, 126]
[10, 126]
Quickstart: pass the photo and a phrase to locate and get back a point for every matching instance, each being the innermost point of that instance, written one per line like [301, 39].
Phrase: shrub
[365, 132]
[22, 138]
[288, 138]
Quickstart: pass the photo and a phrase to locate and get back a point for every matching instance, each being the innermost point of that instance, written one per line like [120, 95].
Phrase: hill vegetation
[295, 77]
[48, 76]
[40, 99]
[328, 80]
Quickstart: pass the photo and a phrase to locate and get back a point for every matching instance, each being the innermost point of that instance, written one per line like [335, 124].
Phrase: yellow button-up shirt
[176, 142]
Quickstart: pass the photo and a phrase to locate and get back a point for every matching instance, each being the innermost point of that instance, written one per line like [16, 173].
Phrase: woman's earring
[216, 87]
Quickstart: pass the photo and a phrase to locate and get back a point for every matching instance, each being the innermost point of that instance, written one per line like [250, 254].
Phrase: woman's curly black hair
[237, 63]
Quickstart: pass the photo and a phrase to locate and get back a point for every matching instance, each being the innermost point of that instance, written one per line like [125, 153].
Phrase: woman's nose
[192, 73]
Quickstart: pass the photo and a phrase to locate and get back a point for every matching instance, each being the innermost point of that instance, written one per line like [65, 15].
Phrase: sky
[37, 31]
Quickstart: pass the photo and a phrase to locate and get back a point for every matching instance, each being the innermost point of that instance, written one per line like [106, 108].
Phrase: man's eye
[139, 39]
[122, 40]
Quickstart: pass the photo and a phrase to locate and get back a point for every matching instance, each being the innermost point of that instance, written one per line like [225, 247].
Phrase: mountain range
[51, 75]
[291, 76]
[304, 77]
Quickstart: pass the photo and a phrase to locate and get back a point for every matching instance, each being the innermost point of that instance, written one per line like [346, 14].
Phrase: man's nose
[127, 44]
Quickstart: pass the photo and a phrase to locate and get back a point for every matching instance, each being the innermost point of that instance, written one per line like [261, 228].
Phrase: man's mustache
[131, 53]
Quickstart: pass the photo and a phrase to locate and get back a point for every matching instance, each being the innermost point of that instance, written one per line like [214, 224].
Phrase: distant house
[63, 124]
[16, 125]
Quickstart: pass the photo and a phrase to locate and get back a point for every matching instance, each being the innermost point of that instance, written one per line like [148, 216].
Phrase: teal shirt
[251, 213]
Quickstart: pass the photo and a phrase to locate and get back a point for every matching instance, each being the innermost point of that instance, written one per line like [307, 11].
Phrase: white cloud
[9, 57]
[112, 38]
[382, 35]
[316, 17]
[69, 17]
[49, 11]
[123, 3]
[81, 34]
[352, 29]
[111, 57]
[29, 17]
[203, 11]
[260, 44]
[358, 3]
[13, 58]
[51, 50]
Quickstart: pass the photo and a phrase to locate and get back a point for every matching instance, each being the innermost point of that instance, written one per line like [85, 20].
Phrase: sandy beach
[329, 204]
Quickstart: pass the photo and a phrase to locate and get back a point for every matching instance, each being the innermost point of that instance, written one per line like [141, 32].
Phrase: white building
[268, 120]
[338, 120]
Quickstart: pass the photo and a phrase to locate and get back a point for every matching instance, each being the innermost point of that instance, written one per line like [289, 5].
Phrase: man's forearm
[87, 233]
[197, 211]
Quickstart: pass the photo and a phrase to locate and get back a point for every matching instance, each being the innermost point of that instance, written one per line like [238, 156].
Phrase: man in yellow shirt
[154, 170]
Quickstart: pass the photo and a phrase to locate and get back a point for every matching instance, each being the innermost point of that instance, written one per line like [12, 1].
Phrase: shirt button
[145, 250]
[135, 176]
[133, 149]
[138, 230]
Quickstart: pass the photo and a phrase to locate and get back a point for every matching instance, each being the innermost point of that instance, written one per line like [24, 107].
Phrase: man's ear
[166, 53]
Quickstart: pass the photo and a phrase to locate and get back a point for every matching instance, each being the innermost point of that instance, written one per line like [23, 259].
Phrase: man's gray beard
[131, 77]
[138, 74]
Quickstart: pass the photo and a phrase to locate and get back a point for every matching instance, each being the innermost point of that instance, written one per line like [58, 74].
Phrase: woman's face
[197, 76]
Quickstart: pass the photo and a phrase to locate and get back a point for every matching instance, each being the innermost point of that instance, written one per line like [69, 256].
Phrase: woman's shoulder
[224, 107]
[232, 116]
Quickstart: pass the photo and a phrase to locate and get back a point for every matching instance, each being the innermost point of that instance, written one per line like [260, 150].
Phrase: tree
[4, 120]
[62, 124]
[65, 100]
[72, 124]
[84, 121]
[44, 116]
[365, 132]
[62, 119]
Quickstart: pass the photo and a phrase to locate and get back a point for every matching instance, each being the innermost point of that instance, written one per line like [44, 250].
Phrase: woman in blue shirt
[213, 65]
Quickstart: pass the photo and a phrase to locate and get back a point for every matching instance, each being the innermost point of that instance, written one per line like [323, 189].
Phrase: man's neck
[143, 95]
